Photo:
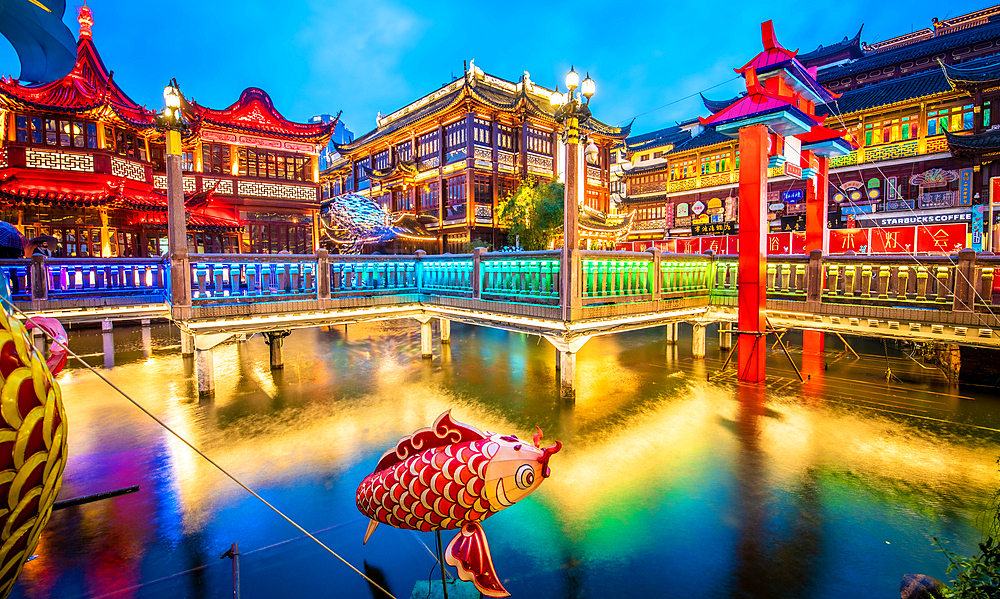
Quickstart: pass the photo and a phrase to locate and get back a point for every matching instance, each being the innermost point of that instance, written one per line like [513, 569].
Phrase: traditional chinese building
[82, 161]
[898, 104]
[450, 156]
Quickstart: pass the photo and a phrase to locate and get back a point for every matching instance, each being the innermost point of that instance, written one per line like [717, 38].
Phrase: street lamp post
[570, 110]
[172, 122]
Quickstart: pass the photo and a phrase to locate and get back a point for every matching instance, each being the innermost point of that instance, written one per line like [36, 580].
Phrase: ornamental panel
[938, 144]
[593, 173]
[539, 163]
[845, 160]
[3, 157]
[484, 154]
[484, 211]
[277, 190]
[129, 170]
[506, 159]
[775, 171]
[683, 185]
[225, 186]
[60, 161]
[160, 181]
[892, 151]
[655, 187]
[190, 185]
[715, 179]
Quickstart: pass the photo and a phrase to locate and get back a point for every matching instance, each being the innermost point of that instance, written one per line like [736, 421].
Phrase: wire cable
[198, 451]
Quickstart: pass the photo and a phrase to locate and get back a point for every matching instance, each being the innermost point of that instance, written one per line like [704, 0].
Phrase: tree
[534, 213]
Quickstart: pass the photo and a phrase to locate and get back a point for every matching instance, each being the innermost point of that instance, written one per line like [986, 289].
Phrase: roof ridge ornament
[86, 20]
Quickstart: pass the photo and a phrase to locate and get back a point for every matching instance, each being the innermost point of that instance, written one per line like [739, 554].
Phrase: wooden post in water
[234, 555]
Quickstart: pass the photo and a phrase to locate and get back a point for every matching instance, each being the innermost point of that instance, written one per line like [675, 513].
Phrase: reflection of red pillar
[817, 237]
[753, 258]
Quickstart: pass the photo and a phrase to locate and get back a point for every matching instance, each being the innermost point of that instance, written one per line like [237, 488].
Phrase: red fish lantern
[453, 476]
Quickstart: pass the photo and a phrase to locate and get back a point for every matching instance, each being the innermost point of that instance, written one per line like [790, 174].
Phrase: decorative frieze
[129, 170]
[59, 161]
[484, 211]
[225, 186]
[484, 154]
[3, 157]
[540, 164]
[506, 160]
[190, 185]
[277, 190]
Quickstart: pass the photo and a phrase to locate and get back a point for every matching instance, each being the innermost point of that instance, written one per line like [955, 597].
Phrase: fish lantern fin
[372, 525]
[444, 431]
[57, 350]
[470, 554]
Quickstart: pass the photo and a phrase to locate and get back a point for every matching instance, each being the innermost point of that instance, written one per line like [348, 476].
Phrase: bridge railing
[374, 275]
[525, 277]
[252, 277]
[104, 279]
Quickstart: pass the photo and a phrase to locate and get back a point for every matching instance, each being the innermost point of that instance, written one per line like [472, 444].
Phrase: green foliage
[977, 577]
[470, 246]
[533, 213]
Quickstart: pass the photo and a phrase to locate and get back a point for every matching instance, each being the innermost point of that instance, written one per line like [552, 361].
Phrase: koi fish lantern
[33, 446]
[453, 476]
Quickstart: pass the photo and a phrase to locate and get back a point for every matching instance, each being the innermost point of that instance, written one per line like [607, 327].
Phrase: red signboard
[893, 240]
[779, 243]
[849, 240]
[718, 244]
[799, 242]
[689, 245]
[941, 239]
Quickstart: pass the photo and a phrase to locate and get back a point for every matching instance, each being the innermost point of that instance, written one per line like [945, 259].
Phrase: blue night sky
[370, 56]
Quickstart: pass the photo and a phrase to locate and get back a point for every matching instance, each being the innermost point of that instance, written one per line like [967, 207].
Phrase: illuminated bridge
[943, 299]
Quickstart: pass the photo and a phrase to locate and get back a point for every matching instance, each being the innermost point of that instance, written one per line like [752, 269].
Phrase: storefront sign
[779, 243]
[849, 240]
[799, 208]
[898, 205]
[698, 208]
[792, 196]
[714, 229]
[934, 177]
[866, 209]
[977, 227]
[719, 245]
[941, 239]
[936, 199]
[776, 206]
[690, 245]
[965, 187]
[916, 218]
[793, 223]
[893, 240]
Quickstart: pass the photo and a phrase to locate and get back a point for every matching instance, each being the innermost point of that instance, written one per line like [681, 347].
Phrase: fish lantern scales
[453, 476]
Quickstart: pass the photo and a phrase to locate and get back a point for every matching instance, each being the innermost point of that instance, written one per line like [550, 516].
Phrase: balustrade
[234, 277]
[521, 276]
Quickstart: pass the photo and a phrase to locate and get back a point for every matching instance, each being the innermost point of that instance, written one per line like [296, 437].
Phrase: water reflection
[823, 489]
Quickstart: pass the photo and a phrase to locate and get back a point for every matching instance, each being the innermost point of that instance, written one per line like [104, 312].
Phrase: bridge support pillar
[725, 337]
[147, 339]
[566, 350]
[187, 344]
[205, 365]
[445, 330]
[426, 340]
[275, 340]
[672, 333]
[698, 340]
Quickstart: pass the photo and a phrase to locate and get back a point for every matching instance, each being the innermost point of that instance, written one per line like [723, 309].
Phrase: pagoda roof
[195, 222]
[926, 47]
[661, 137]
[888, 93]
[774, 55]
[38, 189]
[708, 137]
[846, 49]
[973, 73]
[486, 92]
[645, 169]
[254, 112]
[717, 105]
[89, 89]
[638, 201]
[599, 222]
[971, 145]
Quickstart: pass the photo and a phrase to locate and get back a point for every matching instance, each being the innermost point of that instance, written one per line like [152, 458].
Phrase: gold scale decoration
[33, 447]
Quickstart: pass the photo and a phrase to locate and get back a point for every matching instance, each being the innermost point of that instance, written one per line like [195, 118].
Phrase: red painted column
[817, 237]
[752, 277]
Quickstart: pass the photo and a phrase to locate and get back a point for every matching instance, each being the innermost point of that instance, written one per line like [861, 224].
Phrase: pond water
[668, 483]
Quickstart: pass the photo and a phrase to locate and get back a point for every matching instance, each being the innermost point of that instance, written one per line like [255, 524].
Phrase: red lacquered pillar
[752, 276]
[817, 237]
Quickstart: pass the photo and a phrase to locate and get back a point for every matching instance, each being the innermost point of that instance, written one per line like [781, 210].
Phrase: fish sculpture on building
[453, 476]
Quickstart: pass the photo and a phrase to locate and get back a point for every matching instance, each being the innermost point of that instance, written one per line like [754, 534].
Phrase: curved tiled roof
[254, 112]
[708, 137]
[851, 47]
[716, 105]
[489, 96]
[916, 50]
[987, 141]
[887, 93]
[982, 70]
[661, 137]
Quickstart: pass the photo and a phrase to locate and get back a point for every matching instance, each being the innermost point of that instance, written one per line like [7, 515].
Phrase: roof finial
[86, 19]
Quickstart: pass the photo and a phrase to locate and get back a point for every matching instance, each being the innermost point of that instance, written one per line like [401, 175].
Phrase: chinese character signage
[719, 245]
[977, 227]
[893, 240]
[714, 229]
[779, 243]
[891, 205]
[936, 199]
[849, 240]
[941, 239]
[965, 187]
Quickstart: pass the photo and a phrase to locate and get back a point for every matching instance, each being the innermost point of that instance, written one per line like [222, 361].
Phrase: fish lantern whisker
[546, 454]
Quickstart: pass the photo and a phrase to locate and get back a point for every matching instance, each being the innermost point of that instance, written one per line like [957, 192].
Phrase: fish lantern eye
[525, 476]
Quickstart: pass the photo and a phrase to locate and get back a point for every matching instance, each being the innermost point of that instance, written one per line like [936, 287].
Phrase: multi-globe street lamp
[571, 108]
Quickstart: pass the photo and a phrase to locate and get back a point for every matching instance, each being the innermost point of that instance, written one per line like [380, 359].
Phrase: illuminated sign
[714, 229]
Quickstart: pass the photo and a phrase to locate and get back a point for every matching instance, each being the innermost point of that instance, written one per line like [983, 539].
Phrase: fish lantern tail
[57, 351]
[470, 554]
